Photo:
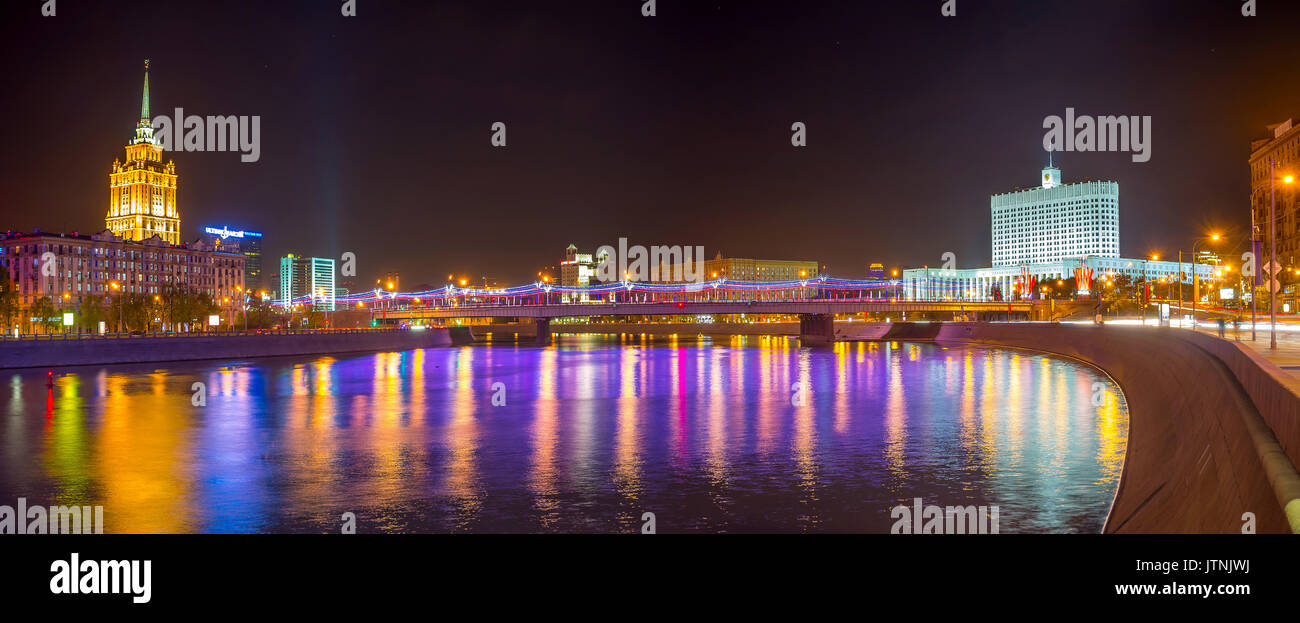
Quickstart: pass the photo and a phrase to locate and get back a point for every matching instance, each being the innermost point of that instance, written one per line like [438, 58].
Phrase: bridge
[815, 301]
[816, 318]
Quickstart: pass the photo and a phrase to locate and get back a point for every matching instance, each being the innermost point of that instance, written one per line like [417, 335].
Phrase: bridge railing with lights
[631, 292]
[622, 292]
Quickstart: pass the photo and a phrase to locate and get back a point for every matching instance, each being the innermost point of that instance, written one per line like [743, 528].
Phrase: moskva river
[593, 434]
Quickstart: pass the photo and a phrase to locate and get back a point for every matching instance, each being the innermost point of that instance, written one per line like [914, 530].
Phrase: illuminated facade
[142, 190]
[243, 242]
[744, 269]
[1055, 221]
[1281, 150]
[85, 268]
[1045, 235]
[578, 270]
[311, 277]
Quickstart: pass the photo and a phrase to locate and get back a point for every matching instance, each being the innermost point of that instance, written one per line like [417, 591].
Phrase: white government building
[1054, 232]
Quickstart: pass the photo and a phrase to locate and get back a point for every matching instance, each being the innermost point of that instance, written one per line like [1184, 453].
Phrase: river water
[731, 434]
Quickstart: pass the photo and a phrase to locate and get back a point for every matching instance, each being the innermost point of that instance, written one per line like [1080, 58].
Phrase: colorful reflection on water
[740, 434]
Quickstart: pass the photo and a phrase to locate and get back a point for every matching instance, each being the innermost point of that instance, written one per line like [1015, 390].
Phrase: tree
[43, 311]
[190, 309]
[9, 311]
[1120, 293]
[262, 315]
[91, 312]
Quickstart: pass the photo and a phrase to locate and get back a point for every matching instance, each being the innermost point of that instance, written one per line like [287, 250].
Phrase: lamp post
[118, 289]
[63, 309]
[1142, 298]
[1196, 294]
[244, 302]
[1272, 251]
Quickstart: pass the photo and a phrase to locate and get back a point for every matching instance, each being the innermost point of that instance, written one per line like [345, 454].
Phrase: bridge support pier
[816, 328]
[543, 331]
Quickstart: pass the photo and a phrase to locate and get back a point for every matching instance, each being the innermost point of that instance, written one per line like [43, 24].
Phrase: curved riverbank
[1214, 430]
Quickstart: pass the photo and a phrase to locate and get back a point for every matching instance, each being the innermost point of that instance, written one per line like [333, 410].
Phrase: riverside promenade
[1214, 426]
[1287, 355]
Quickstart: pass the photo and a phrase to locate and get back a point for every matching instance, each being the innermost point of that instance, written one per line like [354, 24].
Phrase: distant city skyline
[678, 133]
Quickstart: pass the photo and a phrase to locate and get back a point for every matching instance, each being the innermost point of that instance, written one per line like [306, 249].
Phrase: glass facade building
[243, 242]
[307, 281]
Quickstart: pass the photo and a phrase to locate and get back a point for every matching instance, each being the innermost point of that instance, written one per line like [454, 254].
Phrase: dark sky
[666, 130]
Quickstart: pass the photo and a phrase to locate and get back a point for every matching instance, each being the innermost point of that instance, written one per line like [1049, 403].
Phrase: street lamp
[244, 303]
[1196, 294]
[1272, 251]
[118, 288]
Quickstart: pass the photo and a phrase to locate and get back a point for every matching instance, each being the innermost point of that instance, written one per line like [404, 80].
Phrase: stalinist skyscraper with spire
[142, 190]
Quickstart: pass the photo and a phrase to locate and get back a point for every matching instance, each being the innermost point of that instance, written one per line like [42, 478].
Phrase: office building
[244, 242]
[1055, 221]
[1272, 160]
[1055, 232]
[578, 270]
[104, 265]
[307, 282]
[746, 269]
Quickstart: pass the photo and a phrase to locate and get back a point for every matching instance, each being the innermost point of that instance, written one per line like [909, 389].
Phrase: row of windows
[132, 254]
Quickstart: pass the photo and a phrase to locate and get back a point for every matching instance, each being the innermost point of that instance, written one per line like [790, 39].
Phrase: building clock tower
[142, 190]
[1051, 174]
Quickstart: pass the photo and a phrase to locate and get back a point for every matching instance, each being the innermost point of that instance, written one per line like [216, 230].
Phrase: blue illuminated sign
[225, 232]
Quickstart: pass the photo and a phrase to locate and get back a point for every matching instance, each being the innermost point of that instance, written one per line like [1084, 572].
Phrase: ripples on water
[593, 433]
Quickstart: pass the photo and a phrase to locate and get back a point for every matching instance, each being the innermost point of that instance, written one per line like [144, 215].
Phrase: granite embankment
[87, 350]
[1214, 429]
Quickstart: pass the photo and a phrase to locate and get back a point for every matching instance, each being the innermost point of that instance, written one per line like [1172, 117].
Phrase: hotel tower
[142, 190]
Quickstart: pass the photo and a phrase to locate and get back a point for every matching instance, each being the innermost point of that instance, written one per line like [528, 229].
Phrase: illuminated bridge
[815, 301]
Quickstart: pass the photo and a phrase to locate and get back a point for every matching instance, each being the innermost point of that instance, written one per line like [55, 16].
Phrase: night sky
[375, 130]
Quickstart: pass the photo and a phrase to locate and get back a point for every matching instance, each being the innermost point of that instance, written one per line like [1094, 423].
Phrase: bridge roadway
[694, 308]
[816, 318]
